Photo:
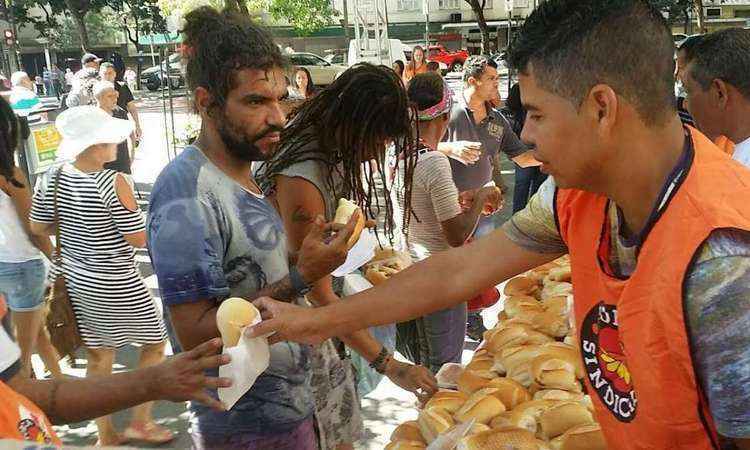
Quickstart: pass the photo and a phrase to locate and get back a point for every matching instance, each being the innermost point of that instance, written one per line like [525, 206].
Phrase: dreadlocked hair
[8, 142]
[218, 44]
[348, 125]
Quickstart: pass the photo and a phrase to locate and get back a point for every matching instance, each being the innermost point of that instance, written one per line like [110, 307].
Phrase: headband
[444, 106]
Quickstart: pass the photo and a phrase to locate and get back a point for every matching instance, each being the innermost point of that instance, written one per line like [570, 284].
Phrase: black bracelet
[380, 361]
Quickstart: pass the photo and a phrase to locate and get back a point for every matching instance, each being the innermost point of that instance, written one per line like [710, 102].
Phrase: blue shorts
[23, 284]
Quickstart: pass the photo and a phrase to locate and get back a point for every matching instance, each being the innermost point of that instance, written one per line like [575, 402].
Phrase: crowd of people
[631, 163]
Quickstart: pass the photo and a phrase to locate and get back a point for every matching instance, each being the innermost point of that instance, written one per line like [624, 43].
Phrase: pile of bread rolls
[523, 386]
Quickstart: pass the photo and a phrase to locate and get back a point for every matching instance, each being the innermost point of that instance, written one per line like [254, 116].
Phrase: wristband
[298, 283]
[381, 361]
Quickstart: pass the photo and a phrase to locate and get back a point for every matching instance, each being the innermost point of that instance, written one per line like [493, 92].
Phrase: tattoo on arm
[281, 290]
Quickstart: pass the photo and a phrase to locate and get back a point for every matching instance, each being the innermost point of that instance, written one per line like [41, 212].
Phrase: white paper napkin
[359, 255]
[250, 358]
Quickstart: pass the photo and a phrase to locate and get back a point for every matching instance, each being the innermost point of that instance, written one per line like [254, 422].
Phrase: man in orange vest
[29, 407]
[717, 83]
[655, 218]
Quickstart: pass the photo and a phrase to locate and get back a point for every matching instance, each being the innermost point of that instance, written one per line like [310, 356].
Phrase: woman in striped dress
[100, 225]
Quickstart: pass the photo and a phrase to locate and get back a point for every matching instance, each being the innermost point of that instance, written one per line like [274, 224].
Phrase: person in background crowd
[22, 269]
[39, 83]
[90, 61]
[416, 66]
[82, 93]
[304, 87]
[47, 80]
[654, 216]
[433, 66]
[106, 97]
[213, 235]
[23, 98]
[125, 99]
[528, 179]
[69, 77]
[717, 84]
[321, 160]
[57, 80]
[100, 226]
[438, 222]
[398, 67]
[131, 78]
[680, 63]
[477, 133]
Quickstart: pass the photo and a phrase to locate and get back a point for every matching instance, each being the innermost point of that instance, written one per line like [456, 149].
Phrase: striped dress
[111, 301]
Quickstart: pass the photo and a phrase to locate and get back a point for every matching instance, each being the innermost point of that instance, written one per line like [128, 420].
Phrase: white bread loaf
[232, 316]
[522, 286]
[510, 392]
[526, 415]
[481, 362]
[471, 381]
[406, 445]
[432, 422]
[562, 417]
[584, 437]
[344, 212]
[561, 273]
[450, 401]
[508, 438]
[482, 406]
[556, 289]
[407, 431]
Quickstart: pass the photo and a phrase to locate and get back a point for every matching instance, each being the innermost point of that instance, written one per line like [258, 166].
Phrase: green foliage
[306, 16]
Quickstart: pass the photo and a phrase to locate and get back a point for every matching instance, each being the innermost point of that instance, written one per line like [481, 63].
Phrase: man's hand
[318, 256]
[465, 152]
[138, 131]
[181, 377]
[287, 322]
[415, 379]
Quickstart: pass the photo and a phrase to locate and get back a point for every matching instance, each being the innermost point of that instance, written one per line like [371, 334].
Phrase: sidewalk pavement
[382, 410]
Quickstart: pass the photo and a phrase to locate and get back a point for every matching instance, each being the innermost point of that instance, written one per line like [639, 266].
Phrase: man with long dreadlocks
[213, 235]
[328, 152]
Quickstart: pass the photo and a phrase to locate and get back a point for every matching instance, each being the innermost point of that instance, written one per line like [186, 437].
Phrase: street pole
[426, 10]
[346, 22]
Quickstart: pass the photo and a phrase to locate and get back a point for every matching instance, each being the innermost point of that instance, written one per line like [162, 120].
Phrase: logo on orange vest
[605, 361]
[32, 427]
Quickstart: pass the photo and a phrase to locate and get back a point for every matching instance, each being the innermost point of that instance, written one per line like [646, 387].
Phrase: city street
[383, 409]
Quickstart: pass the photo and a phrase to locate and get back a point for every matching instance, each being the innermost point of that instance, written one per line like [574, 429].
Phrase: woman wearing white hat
[100, 226]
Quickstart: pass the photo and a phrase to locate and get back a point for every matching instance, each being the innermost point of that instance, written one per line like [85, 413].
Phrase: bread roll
[482, 406]
[513, 335]
[526, 415]
[471, 381]
[513, 305]
[556, 289]
[502, 420]
[559, 395]
[584, 437]
[406, 445]
[407, 431]
[232, 316]
[501, 439]
[562, 417]
[478, 428]
[510, 357]
[432, 422]
[522, 374]
[344, 212]
[561, 273]
[510, 392]
[552, 372]
[375, 276]
[521, 286]
[558, 305]
[482, 362]
[450, 401]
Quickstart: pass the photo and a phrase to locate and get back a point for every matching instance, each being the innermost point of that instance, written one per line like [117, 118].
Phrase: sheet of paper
[449, 439]
[359, 255]
[250, 358]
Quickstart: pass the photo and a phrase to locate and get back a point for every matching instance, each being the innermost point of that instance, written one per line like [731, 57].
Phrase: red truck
[453, 60]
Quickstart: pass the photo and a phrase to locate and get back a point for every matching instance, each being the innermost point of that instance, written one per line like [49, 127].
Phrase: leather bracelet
[298, 283]
[381, 361]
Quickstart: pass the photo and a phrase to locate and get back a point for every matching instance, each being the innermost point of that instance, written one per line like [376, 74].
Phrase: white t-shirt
[15, 245]
[742, 152]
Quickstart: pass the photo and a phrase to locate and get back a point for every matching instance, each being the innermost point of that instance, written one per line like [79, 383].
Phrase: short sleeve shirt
[494, 133]
[209, 238]
[125, 95]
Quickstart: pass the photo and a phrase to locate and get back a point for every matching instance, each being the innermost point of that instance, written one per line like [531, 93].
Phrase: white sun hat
[84, 126]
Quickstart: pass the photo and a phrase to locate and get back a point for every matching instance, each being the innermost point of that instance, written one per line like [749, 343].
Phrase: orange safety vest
[725, 145]
[633, 332]
[20, 419]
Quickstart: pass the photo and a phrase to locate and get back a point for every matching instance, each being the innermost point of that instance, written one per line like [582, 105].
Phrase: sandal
[149, 432]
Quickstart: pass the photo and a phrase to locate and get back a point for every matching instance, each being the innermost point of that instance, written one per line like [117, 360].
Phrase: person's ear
[719, 92]
[601, 105]
[203, 100]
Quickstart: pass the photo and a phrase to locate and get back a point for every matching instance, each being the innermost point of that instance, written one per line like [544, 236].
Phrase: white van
[398, 51]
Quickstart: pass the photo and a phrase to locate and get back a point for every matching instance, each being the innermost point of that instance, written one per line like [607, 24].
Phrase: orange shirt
[632, 332]
[410, 73]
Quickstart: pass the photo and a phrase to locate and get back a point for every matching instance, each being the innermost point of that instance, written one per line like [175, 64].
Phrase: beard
[239, 144]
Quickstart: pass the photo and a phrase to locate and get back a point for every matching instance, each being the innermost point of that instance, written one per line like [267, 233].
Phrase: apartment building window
[742, 13]
[408, 5]
[713, 12]
[449, 4]
[488, 4]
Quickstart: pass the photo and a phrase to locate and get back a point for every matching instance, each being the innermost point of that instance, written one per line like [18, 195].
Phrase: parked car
[322, 72]
[453, 60]
[156, 77]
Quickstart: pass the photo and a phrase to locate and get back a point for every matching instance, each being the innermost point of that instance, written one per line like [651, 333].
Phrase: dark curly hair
[8, 142]
[218, 44]
[426, 90]
[349, 123]
[573, 45]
